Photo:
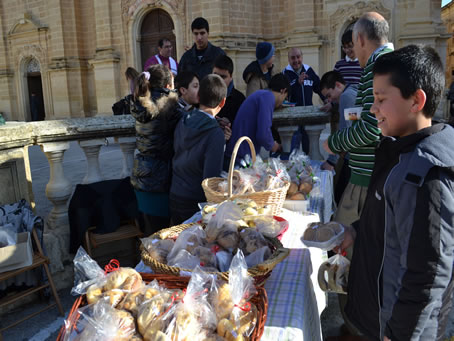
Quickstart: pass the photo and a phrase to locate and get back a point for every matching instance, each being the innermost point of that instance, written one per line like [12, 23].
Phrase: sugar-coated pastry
[244, 321]
[125, 323]
[115, 296]
[94, 293]
[222, 301]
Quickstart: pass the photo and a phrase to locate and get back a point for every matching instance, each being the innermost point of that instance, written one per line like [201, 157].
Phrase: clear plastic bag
[225, 211]
[86, 273]
[323, 236]
[188, 240]
[100, 322]
[158, 248]
[223, 258]
[258, 256]
[185, 260]
[268, 226]
[7, 235]
[251, 240]
[333, 274]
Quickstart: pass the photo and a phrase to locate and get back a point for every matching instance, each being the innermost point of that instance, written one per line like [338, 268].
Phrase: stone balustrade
[54, 138]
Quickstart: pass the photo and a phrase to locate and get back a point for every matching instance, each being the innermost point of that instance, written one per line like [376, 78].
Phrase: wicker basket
[274, 198]
[171, 282]
[260, 272]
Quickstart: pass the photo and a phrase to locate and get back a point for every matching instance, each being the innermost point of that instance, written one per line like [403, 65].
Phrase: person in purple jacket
[254, 119]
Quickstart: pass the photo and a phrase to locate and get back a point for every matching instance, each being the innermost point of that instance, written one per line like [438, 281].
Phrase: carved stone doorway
[156, 25]
[36, 110]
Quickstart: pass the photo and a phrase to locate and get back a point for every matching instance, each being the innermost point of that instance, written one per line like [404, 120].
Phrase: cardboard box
[296, 205]
[17, 256]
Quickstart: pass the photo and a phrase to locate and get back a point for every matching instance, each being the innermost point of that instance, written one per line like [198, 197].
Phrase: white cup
[353, 114]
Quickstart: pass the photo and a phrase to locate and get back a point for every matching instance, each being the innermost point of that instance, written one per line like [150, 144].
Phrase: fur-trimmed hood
[159, 102]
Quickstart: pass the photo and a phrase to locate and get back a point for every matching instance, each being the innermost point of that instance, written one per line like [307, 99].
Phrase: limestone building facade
[72, 54]
[447, 15]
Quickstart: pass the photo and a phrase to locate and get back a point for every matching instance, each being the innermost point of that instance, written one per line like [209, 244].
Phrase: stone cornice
[18, 134]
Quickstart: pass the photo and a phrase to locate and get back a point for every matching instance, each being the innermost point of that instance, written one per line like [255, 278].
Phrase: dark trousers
[182, 209]
[151, 224]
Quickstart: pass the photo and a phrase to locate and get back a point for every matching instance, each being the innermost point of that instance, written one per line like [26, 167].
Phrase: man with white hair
[370, 41]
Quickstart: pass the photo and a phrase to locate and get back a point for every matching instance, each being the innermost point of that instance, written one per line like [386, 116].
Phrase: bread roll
[297, 196]
[222, 302]
[305, 187]
[323, 234]
[94, 293]
[292, 189]
[310, 234]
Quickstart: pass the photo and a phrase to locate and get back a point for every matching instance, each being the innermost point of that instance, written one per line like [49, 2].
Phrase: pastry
[132, 302]
[115, 296]
[207, 258]
[228, 238]
[244, 321]
[251, 240]
[292, 189]
[297, 196]
[124, 278]
[324, 233]
[159, 249]
[94, 293]
[222, 302]
[149, 311]
[125, 323]
[310, 234]
[305, 187]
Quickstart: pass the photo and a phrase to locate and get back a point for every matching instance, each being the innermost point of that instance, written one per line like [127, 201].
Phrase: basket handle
[232, 160]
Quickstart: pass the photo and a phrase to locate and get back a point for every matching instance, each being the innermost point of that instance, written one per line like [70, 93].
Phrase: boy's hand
[327, 166]
[349, 239]
[326, 147]
[276, 147]
[227, 133]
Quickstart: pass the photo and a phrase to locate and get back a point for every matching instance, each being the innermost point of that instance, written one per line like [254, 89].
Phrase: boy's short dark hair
[183, 79]
[330, 78]
[279, 82]
[224, 62]
[415, 67]
[200, 23]
[347, 37]
[212, 91]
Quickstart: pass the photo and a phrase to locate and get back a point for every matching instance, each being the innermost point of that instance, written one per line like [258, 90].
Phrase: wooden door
[156, 25]
[35, 95]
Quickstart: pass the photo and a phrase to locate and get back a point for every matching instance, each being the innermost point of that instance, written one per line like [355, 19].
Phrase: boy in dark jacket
[199, 150]
[200, 57]
[400, 283]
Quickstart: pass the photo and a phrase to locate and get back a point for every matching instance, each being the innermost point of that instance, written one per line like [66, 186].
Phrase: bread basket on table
[273, 198]
[260, 272]
[171, 282]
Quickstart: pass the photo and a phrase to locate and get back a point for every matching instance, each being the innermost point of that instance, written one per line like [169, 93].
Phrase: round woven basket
[273, 198]
[260, 272]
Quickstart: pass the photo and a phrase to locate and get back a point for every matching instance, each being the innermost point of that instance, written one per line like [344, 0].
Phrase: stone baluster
[314, 131]
[127, 146]
[59, 189]
[91, 149]
[286, 134]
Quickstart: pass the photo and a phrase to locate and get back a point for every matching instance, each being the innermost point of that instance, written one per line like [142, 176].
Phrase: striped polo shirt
[362, 137]
[350, 70]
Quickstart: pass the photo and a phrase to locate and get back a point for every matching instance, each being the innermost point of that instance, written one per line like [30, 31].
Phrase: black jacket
[190, 62]
[199, 154]
[155, 126]
[403, 253]
[232, 104]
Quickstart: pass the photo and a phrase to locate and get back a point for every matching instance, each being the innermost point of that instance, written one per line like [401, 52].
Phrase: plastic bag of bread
[236, 317]
[228, 236]
[333, 274]
[251, 240]
[183, 259]
[223, 259]
[324, 236]
[86, 273]
[227, 210]
[191, 316]
[188, 240]
[258, 256]
[158, 248]
[207, 257]
[100, 321]
[268, 226]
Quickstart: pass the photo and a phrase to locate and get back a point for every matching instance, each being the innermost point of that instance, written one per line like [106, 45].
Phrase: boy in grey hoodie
[199, 150]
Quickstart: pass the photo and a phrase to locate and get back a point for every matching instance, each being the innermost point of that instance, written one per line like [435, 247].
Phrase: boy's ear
[222, 103]
[419, 100]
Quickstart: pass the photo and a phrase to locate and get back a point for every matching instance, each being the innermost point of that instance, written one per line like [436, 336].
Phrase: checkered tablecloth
[295, 299]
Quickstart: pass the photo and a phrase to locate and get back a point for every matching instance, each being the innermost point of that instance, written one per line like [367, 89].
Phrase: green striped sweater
[362, 137]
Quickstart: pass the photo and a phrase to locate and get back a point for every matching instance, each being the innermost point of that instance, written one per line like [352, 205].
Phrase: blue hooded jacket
[301, 94]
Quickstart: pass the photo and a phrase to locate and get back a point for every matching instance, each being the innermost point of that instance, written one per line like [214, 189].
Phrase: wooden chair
[38, 260]
[127, 230]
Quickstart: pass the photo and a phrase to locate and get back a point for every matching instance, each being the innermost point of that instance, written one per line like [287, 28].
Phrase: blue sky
[444, 2]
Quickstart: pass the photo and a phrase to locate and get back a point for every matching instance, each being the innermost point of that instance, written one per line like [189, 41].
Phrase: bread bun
[297, 196]
[292, 189]
[310, 234]
[323, 234]
[305, 187]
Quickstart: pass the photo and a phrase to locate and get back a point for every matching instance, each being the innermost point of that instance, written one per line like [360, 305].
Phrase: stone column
[91, 149]
[286, 134]
[314, 132]
[59, 189]
[127, 146]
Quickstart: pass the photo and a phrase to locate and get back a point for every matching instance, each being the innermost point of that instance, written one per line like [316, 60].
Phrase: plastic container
[296, 205]
[328, 245]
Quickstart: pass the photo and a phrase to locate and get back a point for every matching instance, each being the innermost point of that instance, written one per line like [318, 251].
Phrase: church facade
[64, 58]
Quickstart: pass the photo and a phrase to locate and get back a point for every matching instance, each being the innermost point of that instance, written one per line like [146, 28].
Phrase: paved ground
[47, 325]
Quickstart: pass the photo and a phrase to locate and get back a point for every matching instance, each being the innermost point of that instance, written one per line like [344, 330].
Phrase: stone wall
[447, 15]
[84, 47]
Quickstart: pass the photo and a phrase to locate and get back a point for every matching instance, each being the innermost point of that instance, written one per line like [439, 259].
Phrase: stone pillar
[91, 149]
[286, 134]
[59, 189]
[314, 132]
[127, 146]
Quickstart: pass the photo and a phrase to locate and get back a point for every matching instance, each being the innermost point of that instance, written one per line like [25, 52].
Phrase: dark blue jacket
[301, 94]
[403, 252]
[199, 154]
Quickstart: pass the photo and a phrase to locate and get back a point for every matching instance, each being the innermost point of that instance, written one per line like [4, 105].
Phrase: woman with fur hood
[156, 111]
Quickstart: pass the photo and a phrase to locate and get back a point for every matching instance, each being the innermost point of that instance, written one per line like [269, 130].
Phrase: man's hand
[276, 147]
[326, 147]
[227, 133]
[302, 77]
[327, 107]
[386, 339]
[223, 122]
[349, 239]
[327, 166]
